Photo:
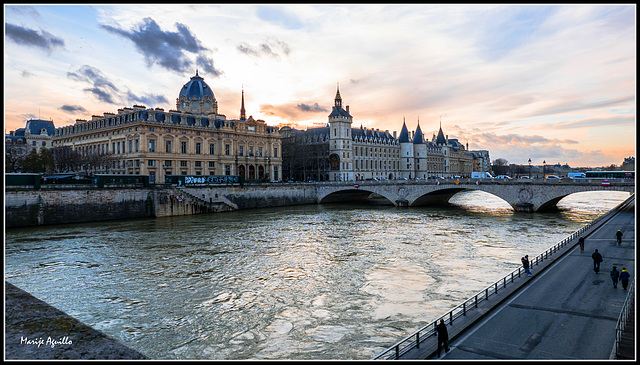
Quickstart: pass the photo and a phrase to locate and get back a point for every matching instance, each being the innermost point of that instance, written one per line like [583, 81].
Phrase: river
[301, 282]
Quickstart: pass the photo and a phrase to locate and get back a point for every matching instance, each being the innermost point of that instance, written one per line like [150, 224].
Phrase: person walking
[615, 275]
[619, 237]
[443, 337]
[525, 264]
[597, 259]
[624, 278]
[581, 243]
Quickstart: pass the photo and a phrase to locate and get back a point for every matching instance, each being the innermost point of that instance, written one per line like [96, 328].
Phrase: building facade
[339, 152]
[194, 139]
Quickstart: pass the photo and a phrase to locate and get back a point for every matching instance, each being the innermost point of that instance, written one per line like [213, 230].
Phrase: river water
[303, 282]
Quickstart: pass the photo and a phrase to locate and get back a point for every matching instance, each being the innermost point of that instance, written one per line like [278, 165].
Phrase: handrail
[413, 340]
[627, 307]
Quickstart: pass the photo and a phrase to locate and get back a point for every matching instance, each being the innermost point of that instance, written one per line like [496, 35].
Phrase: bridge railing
[415, 339]
[627, 308]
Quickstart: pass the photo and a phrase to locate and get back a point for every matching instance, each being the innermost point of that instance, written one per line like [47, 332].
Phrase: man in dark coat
[597, 259]
[443, 337]
[619, 236]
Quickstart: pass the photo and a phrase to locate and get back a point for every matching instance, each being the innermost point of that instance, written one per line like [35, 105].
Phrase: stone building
[339, 152]
[194, 139]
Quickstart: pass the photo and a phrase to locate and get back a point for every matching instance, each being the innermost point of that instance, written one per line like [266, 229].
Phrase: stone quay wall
[29, 207]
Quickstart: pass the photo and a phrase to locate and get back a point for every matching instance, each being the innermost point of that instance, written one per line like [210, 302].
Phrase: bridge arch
[355, 195]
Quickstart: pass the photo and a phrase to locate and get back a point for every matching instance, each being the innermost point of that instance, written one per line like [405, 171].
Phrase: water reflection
[307, 282]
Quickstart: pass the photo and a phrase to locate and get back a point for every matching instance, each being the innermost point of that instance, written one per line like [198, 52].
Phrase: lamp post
[529, 169]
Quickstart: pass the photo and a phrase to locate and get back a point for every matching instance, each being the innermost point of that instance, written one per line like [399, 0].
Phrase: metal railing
[413, 341]
[627, 308]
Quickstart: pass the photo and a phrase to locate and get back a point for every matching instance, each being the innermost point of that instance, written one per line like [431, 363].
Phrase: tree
[500, 166]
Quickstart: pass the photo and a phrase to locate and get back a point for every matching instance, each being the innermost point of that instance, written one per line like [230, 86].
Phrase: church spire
[243, 114]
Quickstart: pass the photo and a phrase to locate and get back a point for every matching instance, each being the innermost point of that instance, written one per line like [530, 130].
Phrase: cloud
[293, 111]
[73, 109]
[271, 47]
[207, 65]
[32, 38]
[165, 48]
[312, 108]
[105, 90]
[102, 88]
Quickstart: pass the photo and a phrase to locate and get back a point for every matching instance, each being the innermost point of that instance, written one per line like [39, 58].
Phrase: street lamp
[529, 168]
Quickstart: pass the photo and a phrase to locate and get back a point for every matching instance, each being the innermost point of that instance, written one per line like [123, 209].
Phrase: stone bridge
[522, 195]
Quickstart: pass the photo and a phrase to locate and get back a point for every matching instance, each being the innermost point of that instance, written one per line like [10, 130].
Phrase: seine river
[303, 282]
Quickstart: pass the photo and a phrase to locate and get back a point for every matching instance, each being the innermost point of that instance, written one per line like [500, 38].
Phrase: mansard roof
[35, 126]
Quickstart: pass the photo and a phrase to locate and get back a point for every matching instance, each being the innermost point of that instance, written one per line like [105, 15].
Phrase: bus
[611, 174]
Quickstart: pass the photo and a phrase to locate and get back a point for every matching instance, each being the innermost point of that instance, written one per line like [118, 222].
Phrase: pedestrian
[624, 278]
[581, 243]
[597, 259]
[615, 274]
[525, 264]
[619, 237]
[443, 337]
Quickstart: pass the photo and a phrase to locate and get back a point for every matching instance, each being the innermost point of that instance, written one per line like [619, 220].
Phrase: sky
[552, 83]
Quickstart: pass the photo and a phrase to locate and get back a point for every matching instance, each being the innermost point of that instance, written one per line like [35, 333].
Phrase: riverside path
[565, 312]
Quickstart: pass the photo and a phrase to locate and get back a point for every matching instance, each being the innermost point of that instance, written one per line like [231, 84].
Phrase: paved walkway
[565, 312]
[34, 330]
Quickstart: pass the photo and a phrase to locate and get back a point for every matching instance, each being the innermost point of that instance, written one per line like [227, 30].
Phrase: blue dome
[197, 88]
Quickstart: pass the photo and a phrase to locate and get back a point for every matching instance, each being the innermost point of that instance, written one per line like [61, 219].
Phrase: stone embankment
[34, 330]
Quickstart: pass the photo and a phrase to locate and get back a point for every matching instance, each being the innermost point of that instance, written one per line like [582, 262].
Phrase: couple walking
[525, 264]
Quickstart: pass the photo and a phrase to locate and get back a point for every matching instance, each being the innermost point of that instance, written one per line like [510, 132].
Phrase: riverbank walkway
[34, 330]
[565, 311]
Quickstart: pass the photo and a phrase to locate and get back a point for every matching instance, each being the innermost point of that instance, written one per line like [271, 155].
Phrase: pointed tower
[419, 154]
[243, 114]
[340, 149]
[406, 153]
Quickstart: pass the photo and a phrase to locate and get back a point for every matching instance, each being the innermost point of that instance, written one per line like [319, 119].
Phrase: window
[183, 147]
[198, 148]
[152, 145]
[167, 145]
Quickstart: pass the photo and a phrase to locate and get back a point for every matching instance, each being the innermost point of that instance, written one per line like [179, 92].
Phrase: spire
[243, 114]
[338, 100]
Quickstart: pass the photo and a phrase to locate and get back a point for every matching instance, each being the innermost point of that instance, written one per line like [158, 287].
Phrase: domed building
[192, 140]
[196, 97]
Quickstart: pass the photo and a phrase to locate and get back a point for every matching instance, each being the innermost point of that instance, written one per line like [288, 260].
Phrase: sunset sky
[545, 82]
